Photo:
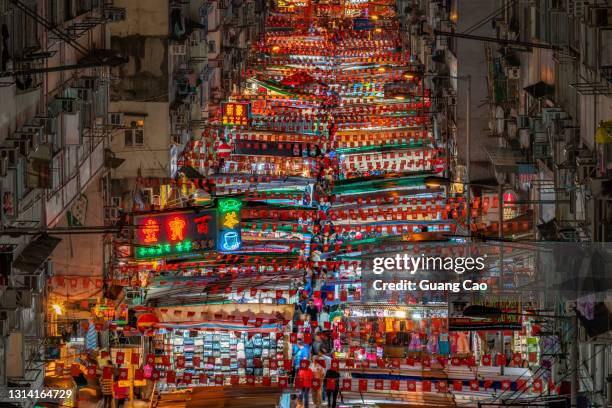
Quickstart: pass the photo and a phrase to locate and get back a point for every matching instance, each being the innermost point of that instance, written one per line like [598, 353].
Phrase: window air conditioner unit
[514, 73]
[177, 49]
[36, 130]
[34, 282]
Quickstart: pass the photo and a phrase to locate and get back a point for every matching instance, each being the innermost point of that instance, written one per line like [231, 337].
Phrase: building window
[211, 47]
[134, 137]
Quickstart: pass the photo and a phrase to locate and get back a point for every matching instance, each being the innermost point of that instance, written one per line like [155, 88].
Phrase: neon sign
[175, 233]
[176, 229]
[236, 113]
[150, 231]
[229, 225]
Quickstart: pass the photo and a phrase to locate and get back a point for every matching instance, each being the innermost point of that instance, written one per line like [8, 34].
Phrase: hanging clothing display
[415, 342]
[443, 344]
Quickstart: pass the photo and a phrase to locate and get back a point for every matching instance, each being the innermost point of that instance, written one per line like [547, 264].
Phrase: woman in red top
[121, 393]
[305, 376]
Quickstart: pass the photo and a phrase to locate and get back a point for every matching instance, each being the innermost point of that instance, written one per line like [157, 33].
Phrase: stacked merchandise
[201, 356]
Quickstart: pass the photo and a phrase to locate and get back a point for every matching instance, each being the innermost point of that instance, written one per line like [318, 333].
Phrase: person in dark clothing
[297, 311]
[332, 392]
[316, 345]
[311, 310]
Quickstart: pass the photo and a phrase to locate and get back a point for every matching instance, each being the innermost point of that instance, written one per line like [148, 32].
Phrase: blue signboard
[363, 24]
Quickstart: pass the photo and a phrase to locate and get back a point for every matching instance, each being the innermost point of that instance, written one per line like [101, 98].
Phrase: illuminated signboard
[236, 113]
[175, 233]
[510, 209]
[229, 225]
[363, 24]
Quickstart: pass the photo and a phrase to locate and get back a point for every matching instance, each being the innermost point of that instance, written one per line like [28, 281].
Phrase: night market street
[305, 203]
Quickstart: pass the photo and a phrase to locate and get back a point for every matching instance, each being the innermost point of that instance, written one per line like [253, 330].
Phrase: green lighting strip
[183, 247]
[375, 185]
[386, 146]
[248, 226]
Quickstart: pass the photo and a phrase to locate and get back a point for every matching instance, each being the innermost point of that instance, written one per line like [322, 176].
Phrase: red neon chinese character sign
[150, 231]
[176, 229]
[202, 223]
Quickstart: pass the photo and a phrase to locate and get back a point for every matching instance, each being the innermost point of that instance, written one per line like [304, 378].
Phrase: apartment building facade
[54, 136]
[184, 57]
[542, 90]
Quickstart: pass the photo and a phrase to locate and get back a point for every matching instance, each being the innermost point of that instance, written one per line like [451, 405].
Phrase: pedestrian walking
[121, 393]
[106, 386]
[332, 386]
[318, 373]
[305, 376]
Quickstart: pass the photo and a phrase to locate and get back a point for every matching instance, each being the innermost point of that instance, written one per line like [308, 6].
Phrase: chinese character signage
[363, 24]
[229, 225]
[175, 233]
[236, 113]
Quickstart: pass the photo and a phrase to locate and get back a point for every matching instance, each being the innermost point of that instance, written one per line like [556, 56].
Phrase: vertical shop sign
[229, 225]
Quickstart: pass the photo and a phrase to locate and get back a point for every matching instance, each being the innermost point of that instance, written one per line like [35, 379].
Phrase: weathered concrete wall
[81, 255]
[145, 76]
[146, 18]
[153, 157]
